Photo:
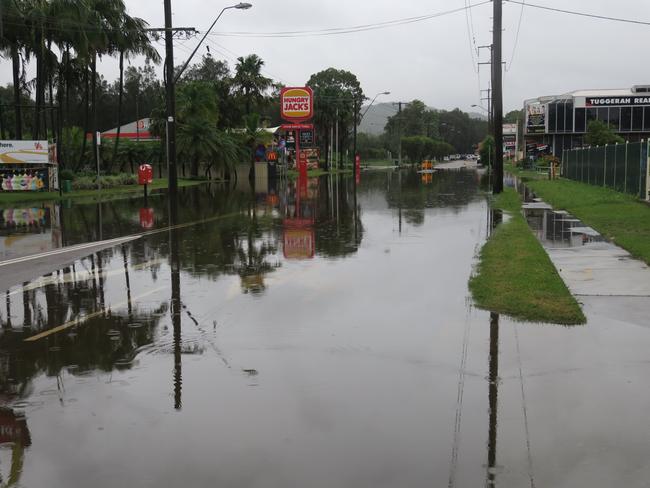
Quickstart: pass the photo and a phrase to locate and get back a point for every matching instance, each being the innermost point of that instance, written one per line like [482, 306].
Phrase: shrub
[109, 181]
[67, 174]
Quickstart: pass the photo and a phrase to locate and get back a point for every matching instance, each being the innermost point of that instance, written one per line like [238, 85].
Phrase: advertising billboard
[536, 118]
[297, 104]
[24, 152]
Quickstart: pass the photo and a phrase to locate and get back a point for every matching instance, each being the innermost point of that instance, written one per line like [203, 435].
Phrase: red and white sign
[297, 104]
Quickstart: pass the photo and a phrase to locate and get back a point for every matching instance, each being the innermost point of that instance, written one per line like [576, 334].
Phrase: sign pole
[99, 143]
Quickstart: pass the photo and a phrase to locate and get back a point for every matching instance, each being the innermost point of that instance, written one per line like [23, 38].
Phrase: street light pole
[358, 122]
[240, 6]
[170, 83]
[171, 102]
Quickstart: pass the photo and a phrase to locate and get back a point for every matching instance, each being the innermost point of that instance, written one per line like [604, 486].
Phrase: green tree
[249, 81]
[599, 133]
[130, 39]
[335, 92]
[487, 151]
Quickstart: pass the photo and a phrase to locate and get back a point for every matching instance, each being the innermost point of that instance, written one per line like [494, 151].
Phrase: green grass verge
[312, 173]
[19, 197]
[619, 217]
[516, 277]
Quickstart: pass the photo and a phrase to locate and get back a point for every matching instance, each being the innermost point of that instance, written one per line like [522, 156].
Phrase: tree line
[425, 133]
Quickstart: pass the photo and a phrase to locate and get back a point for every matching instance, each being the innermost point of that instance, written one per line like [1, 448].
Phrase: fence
[621, 167]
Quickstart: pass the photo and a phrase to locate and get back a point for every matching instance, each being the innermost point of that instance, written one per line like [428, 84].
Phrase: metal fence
[621, 167]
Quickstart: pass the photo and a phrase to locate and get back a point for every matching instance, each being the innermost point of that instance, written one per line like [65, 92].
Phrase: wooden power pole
[171, 101]
[497, 96]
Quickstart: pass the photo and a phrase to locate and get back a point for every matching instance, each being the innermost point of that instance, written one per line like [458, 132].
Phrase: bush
[110, 181]
[66, 174]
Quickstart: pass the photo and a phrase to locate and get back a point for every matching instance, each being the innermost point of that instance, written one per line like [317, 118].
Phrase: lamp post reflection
[175, 300]
[493, 392]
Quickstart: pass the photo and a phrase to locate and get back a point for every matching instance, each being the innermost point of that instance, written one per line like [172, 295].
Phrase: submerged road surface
[289, 338]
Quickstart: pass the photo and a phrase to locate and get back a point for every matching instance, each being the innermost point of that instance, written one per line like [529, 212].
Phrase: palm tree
[131, 40]
[103, 19]
[11, 43]
[249, 81]
[198, 138]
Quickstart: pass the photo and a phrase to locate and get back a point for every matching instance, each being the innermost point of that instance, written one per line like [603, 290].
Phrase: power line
[514, 48]
[351, 29]
[470, 37]
[581, 14]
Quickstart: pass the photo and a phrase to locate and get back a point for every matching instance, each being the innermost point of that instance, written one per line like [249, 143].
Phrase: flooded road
[284, 337]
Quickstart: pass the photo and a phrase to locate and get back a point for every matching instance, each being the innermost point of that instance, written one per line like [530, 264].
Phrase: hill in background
[375, 119]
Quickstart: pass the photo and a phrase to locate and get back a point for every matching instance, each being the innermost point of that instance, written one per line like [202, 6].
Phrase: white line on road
[69, 249]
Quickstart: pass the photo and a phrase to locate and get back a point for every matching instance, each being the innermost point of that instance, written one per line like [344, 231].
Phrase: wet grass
[313, 173]
[621, 218]
[516, 277]
[42, 196]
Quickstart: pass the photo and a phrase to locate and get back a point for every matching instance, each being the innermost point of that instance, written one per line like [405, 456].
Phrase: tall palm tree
[11, 43]
[102, 22]
[249, 81]
[131, 40]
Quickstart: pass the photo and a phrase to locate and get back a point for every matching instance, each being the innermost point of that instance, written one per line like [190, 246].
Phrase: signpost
[297, 107]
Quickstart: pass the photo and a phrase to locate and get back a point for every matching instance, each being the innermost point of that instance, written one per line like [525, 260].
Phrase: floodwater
[284, 336]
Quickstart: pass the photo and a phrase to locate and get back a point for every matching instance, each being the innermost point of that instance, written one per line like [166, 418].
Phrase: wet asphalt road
[286, 340]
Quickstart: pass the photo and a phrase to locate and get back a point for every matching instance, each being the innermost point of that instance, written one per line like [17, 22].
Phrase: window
[568, 118]
[603, 114]
[637, 118]
[626, 119]
[615, 117]
[646, 124]
[592, 114]
[552, 115]
[580, 119]
[560, 116]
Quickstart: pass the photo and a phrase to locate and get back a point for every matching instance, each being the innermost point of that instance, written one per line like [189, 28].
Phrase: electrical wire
[350, 29]
[472, 38]
[514, 48]
[581, 14]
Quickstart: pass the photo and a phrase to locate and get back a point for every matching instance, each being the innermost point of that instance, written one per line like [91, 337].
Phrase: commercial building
[555, 123]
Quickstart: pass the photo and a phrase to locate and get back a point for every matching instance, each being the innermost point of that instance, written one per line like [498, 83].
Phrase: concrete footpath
[601, 275]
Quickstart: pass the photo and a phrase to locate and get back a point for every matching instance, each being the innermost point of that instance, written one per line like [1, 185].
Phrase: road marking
[82, 275]
[81, 320]
[64, 250]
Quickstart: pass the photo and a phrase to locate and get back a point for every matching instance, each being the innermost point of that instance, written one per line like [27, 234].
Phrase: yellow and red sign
[297, 104]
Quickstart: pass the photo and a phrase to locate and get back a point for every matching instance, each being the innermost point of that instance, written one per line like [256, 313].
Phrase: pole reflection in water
[175, 301]
[493, 380]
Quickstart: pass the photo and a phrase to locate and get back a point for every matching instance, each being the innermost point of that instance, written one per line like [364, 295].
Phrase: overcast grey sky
[429, 60]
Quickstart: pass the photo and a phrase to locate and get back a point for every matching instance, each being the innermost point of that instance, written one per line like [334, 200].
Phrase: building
[138, 130]
[555, 123]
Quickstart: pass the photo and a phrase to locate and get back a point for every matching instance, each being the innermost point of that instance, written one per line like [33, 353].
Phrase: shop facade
[555, 123]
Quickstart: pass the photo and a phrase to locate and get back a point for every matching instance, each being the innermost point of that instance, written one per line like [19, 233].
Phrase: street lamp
[356, 123]
[373, 101]
[239, 6]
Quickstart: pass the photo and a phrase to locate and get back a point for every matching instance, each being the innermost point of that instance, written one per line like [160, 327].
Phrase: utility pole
[497, 96]
[171, 102]
[354, 137]
[399, 134]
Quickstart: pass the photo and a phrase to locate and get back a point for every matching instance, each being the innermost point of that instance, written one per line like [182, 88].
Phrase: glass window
[592, 114]
[560, 116]
[552, 115]
[568, 118]
[637, 118]
[580, 119]
[603, 114]
[646, 124]
[626, 119]
[615, 117]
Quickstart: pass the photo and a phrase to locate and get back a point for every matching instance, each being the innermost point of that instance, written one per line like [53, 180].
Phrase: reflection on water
[159, 306]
